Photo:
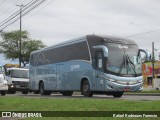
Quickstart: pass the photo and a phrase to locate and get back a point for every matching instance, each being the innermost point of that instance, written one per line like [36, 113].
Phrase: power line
[2, 2]
[42, 7]
[151, 31]
[29, 16]
[24, 13]
[17, 13]
[13, 18]
[5, 11]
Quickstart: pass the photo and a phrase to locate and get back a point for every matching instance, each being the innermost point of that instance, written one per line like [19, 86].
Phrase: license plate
[126, 89]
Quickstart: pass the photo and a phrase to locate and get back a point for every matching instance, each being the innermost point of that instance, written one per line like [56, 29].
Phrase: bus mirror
[104, 48]
[148, 55]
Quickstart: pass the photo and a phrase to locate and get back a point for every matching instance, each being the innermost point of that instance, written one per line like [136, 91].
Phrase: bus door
[99, 70]
[60, 76]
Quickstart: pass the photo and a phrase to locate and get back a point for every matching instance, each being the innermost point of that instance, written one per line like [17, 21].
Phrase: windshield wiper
[122, 64]
[131, 64]
[126, 63]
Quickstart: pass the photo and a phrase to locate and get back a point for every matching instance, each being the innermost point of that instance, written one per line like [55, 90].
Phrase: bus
[93, 64]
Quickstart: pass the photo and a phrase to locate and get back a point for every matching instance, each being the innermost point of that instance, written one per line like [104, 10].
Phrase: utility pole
[152, 60]
[20, 36]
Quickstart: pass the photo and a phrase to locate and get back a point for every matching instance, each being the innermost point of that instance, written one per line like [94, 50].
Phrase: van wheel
[67, 93]
[86, 89]
[3, 93]
[117, 94]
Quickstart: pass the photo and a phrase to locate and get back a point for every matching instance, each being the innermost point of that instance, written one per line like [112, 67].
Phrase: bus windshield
[123, 60]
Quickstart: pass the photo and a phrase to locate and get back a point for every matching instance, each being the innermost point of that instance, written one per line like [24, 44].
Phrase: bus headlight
[139, 81]
[112, 80]
[109, 79]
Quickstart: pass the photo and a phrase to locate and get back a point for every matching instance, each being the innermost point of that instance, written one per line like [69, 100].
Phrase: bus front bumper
[113, 86]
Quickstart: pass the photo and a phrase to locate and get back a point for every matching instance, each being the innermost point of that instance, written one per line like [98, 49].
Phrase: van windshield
[1, 71]
[19, 73]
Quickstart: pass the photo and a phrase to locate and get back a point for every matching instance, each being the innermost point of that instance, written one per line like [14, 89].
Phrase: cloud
[72, 18]
[4, 61]
[67, 19]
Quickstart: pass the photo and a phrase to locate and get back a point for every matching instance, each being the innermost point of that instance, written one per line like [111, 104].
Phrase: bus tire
[86, 89]
[3, 93]
[42, 89]
[117, 94]
[13, 92]
[67, 93]
[24, 92]
[47, 92]
[36, 92]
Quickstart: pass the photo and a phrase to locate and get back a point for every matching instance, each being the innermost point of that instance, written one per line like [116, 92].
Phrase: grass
[71, 104]
[144, 92]
[8, 103]
[150, 91]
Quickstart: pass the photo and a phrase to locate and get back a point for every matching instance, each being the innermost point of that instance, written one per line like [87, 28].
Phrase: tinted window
[82, 51]
[70, 52]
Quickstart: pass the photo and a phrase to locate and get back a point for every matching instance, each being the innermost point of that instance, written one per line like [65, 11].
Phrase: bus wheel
[86, 89]
[67, 93]
[13, 92]
[3, 93]
[117, 94]
[24, 92]
[47, 92]
[36, 92]
[41, 88]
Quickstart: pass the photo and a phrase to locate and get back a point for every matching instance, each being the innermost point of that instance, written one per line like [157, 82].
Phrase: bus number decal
[73, 67]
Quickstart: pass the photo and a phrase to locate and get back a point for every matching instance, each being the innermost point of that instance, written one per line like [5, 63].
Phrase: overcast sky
[60, 20]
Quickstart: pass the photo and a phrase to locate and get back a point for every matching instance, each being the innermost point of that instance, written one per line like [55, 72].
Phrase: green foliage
[9, 45]
[17, 103]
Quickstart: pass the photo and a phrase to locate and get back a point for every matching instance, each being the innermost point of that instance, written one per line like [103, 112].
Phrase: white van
[18, 80]
[3, 82]
[156, 84]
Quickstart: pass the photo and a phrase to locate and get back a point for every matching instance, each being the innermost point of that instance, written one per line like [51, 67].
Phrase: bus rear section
[90, 64]
[3, 82]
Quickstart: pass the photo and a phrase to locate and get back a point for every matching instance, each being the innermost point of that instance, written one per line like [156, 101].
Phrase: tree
[9, 45]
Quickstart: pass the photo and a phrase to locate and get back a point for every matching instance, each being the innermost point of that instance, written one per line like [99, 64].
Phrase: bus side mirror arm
[104, 48]
[148, 55]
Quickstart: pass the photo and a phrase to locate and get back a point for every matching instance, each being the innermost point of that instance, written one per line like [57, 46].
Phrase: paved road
[75, 96]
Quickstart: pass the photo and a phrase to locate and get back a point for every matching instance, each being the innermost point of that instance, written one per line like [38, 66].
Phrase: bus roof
[111, 39]
[18, 69]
